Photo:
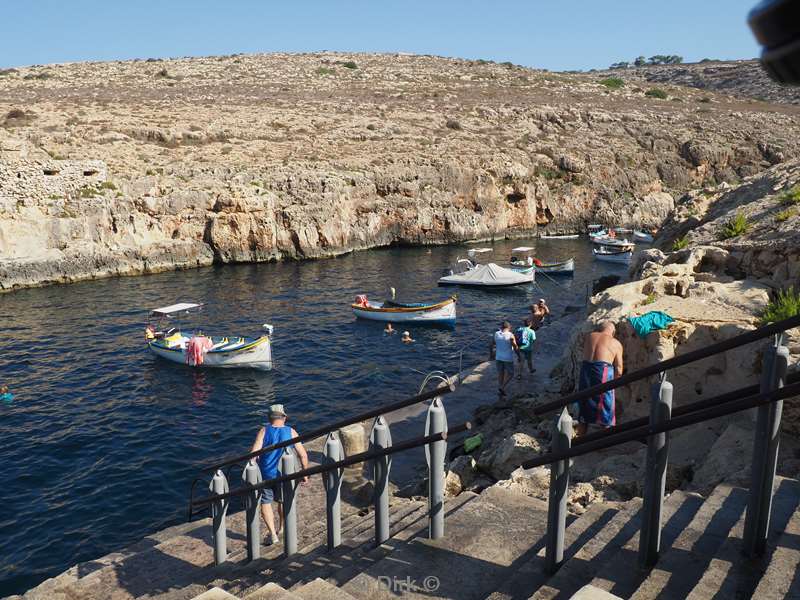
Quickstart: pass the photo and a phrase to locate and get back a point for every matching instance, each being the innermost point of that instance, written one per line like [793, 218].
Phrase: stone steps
[620, 575]
[486, 541]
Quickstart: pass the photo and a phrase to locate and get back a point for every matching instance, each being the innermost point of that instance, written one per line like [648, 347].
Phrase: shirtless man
[602, 362]
[538, 312]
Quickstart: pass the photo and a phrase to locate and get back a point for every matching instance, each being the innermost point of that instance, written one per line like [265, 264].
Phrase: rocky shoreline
[131, 167]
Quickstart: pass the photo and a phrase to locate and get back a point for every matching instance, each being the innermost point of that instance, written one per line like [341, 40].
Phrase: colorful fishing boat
[418, 313]
[622, 256]
[521, 261]
[165, 339]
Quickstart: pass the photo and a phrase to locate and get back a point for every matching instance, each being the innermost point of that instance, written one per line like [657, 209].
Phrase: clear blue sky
[558, 35]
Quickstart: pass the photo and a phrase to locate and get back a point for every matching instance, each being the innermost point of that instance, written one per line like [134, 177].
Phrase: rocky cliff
[137, 166]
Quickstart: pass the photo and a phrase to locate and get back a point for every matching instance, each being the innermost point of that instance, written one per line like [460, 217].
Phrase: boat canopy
[523, 249]
[492, 274]
[173, 308]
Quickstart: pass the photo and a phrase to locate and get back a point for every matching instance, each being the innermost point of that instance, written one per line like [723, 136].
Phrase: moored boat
[559, 236]
[489, 276]
[613, 256]
[199, 350]
[564, 267]
[443, 313]
[643, 236]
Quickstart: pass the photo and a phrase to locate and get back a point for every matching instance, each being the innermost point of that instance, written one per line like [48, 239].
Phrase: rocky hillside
[127, 167]
[739, 79]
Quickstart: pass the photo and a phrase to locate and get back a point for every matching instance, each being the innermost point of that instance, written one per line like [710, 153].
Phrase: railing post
[655, 475]
[333, 488]
[435, 452]
[765, 451]
[557, 503]
[381, 438]
[288, 467]
[219, 485]
[252, 476]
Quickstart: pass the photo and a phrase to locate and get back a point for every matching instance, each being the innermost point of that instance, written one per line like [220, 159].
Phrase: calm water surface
[102, 439]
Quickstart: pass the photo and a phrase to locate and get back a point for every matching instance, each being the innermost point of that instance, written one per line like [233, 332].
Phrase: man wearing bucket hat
[274, 432]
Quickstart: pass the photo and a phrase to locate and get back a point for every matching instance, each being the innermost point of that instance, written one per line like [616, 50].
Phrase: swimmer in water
[5, 395]
[407, 339]
[389, 330]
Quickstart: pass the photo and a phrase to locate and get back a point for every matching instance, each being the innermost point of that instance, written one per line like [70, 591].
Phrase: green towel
[473, 442]
[649, 322]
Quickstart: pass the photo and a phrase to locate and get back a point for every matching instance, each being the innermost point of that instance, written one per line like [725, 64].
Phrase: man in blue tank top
[274, 432]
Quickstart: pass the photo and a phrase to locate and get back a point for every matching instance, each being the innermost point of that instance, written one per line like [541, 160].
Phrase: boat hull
[566, 267]
[443, 313]
[254, 355]
[641, 236]
[613, 257]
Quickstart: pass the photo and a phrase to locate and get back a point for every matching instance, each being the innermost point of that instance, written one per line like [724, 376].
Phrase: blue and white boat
[173, 344]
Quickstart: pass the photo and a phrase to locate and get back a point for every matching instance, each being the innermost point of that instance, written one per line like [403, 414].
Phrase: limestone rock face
[512, 452]
[311, 159]
[708, 306]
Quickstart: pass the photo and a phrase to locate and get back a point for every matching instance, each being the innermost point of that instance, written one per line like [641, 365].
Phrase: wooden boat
[613, 256]
[442, 313]
[643, 236]
[489, 276]
[566, 236]
[605, 240]
[218, 351]
[564, 267]
[521, 261]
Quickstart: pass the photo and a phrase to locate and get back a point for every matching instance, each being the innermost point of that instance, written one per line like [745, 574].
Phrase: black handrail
[671, 363]
[681, 410]
[675, 423]
[346, 462]
[375, 412]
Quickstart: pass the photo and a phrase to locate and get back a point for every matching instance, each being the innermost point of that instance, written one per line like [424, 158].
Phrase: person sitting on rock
[274, 432]
[602, 362]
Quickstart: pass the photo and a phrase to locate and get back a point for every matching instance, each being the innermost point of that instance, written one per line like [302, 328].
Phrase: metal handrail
[671, 363]
[320, 431]
[697, 416]
[680, 410]
[331, 466]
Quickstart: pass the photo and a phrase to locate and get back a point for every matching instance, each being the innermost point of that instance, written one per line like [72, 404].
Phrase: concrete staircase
[493, 549]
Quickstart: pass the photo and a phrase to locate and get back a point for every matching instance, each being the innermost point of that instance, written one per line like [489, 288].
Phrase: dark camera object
[776, 26]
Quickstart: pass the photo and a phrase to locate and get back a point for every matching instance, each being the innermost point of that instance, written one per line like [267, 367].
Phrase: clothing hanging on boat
[196, 349]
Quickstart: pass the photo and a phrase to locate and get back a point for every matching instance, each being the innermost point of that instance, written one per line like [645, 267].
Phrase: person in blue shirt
[274, 432]
[525, 338]
[5, 395]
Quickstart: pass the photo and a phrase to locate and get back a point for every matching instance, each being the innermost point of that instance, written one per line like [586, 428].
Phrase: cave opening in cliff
[515, 197]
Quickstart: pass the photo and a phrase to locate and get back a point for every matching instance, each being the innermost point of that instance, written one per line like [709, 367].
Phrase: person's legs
[501, 376]
[509, 375]
[267, 495]
[529, 360]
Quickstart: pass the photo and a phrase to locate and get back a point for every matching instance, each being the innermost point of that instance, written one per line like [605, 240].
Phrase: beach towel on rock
[649, 322]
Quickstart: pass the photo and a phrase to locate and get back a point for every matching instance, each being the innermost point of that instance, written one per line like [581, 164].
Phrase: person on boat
[274, 432]
[602, 362]
[504, 345]
[389, 330]
[538, 312]
[5, 395]
[407, 339]
[525, 338]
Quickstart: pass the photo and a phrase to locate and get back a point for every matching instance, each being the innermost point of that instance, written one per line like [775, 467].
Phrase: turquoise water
[102, 439]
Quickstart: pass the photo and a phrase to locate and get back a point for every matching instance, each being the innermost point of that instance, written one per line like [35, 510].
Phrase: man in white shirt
[505, 345]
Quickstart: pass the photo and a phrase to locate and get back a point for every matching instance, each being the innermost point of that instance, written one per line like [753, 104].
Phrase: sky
[551, 34]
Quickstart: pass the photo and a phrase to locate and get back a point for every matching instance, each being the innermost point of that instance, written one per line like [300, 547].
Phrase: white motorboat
[489, 275]
[613, 256]
[643, 236]
[199, 350]
[567, 236]
[439, 313]
[608, 240]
